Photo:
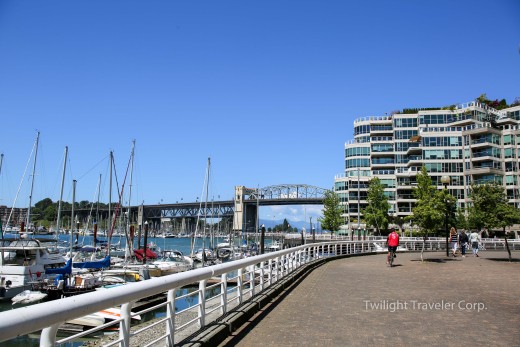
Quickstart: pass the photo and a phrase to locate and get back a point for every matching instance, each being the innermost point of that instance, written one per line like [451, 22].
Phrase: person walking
[474, 239]
[463, 242]
[454, 239]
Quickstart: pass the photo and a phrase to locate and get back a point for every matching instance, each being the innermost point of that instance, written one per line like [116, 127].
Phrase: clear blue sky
[267, 89]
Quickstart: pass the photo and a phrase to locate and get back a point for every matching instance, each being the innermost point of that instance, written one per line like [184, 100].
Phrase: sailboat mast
[1, 161]
[97, 211]
[129, 238]
[109, 221]
[206, 204]
[61, 192]
[32, 181]
[72, 216]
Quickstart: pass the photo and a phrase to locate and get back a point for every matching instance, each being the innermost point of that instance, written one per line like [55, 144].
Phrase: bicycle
[392, 257]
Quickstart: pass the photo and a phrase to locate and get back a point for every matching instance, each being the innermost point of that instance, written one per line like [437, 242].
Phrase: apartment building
[15, 216]
[470, 143]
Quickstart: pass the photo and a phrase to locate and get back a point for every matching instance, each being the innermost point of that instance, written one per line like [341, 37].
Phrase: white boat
[228, 253]
[167, 235]
[274, 246]
[90, 320]
[99, 318]
[173, 261]
[119, 276]
[23, 262]
[28, 297]
[113, 313]
[199, 255]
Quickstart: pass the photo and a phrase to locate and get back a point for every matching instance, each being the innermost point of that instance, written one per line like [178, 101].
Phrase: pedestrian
[474, 239]
[463, 242]
[454, 239]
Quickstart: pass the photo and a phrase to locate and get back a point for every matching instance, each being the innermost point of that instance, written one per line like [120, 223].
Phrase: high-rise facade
[470, 143]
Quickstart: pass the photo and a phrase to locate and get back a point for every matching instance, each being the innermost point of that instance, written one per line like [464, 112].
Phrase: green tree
[491, 210]
[426, 212]
[50, 213]
[431, 207]
[376, 212]
[43, 204]
[461, 221]
[332, 211]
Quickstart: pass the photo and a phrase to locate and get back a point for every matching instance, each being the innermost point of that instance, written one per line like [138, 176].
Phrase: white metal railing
[249, 276]
[212, 300]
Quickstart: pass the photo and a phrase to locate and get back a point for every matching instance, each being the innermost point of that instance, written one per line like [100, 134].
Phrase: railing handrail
[39, 316]
[50, 315]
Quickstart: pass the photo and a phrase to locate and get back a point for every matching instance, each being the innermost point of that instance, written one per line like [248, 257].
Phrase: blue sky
[267, 89]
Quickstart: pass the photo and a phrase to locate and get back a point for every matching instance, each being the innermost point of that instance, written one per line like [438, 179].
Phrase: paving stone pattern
[360, 301]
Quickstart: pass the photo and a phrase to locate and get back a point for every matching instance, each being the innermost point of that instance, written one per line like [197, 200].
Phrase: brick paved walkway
[361, 302]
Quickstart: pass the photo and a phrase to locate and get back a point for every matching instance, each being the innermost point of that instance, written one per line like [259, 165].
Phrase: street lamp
[445, 180]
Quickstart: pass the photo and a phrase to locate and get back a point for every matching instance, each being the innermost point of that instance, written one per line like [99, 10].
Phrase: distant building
[17, 216]
[470, 143]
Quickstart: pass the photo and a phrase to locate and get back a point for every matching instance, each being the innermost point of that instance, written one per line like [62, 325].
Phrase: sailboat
[203, 255]
[24, 261]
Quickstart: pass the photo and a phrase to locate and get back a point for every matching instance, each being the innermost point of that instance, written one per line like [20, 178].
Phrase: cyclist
[392, 242]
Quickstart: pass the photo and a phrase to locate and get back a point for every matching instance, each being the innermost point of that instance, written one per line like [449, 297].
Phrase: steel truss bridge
[242, 209]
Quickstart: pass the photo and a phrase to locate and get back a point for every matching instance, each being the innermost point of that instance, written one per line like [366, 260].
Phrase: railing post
[277, 268]
[170, 323]
[124, 325]
[252, 279]
[240, 285]
[262, 265]
[223, 291]
[48, 336]
[202, 303]
[270, 273]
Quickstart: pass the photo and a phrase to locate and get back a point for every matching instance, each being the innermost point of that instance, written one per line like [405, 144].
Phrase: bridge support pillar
[238, 215]
[245, 215]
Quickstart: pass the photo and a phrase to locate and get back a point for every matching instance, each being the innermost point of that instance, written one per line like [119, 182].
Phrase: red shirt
[393, 239]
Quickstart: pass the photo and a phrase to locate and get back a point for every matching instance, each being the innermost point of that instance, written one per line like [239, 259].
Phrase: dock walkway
[359, 301]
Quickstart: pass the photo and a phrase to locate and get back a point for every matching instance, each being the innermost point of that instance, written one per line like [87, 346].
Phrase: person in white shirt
[474, 239]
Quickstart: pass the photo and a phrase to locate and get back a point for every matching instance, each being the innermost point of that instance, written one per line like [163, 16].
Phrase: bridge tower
[246, 208]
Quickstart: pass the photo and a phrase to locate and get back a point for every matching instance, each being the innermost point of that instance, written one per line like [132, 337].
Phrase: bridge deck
[441, 302]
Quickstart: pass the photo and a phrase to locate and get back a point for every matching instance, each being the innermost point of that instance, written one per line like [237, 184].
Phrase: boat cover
[67, 269]
[97, 264]
[149, 254]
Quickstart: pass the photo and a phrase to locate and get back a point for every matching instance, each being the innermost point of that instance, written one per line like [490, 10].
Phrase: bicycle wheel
[392, 258]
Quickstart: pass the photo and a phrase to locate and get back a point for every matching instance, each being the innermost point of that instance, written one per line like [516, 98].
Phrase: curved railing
[221, 288]
[249, 277]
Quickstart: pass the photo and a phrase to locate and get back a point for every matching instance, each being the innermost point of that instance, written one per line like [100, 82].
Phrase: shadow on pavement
[505, 260]
[436, 260]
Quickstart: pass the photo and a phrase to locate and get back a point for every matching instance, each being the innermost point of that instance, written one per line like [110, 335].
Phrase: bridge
[239, 214]
[342, 287]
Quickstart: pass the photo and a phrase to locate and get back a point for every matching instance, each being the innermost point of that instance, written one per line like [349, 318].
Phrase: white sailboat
[203, 254]
[25, 260]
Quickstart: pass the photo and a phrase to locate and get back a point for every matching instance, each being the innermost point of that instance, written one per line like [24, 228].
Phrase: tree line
[489, 209]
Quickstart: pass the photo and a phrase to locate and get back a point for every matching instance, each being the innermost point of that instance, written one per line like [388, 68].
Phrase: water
[182, 244]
